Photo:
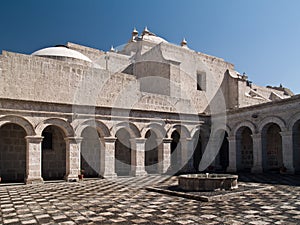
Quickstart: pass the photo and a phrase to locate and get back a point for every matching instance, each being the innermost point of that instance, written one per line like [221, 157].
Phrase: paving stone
[125, 201]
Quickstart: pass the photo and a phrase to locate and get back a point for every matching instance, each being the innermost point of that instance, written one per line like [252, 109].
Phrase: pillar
[33, 159]
[187, 155]
[138, 157]
[287, 151]
[164, 155]
[232, 154]
[73, 145]
[257, 153]
[108, 158]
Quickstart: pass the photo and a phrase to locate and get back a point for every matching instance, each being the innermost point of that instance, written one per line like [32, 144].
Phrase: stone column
[187, 155]
[73, 145]
[287, 151]
[138, 157]
[33, 159]
[257, 153]
[232, 142]
[108, 158]
[164, 158]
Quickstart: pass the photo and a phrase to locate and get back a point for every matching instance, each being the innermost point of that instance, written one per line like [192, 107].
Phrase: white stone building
[151, 107]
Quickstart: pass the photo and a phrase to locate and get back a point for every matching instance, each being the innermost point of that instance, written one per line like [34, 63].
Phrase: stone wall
[54, 160]
[12, 153]
[90, 152]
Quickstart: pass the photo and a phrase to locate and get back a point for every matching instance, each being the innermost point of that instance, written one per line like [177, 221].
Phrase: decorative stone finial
[134, 32]
[183, 43]
[112, 49]
[146, 31]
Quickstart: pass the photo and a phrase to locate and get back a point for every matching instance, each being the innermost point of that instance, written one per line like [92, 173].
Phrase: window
[201, 81]
[47, 140]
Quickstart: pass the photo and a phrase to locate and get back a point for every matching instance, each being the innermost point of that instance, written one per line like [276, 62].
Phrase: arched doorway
[152, 150]
[197, 151]
[91, 147]
[123, 153]
[12, 153]
[222, 158]
[296, 146]
[244, 149]
[175, 151]
[272, 148]
[53, 153]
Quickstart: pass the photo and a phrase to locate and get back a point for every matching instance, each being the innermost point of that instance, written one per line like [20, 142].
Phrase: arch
[244, 148]
[246, 123]
[59, 122]
[200, 128]
[12, 153]
[272, 147]
[293, 120]
[97, 124]
[54, 153]
[91, 152]
[272, 119]
[217, 129]
[159, 130]
[181, 129]
[123, 152]
[21, 121]
[128, 126]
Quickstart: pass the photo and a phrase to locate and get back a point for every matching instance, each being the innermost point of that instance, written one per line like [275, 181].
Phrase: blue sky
[260, 37]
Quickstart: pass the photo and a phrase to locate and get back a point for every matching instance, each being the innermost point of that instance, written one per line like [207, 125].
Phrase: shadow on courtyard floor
[270, 178]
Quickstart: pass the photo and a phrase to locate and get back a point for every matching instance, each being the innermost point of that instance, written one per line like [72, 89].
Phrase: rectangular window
[47, 140]
[201, 81]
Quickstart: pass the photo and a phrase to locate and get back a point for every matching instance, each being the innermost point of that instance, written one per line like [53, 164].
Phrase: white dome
[62, 52]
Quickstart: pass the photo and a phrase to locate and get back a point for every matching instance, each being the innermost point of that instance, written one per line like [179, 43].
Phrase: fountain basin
[207, 182]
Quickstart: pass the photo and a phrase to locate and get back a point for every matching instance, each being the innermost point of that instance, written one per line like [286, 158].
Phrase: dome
[61, 52]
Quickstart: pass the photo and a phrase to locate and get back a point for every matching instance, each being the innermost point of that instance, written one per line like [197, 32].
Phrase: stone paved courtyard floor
[125, 201]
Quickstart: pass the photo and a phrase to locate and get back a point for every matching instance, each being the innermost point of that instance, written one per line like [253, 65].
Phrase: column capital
[138, 140]
[77, 140]
[110, 139]
[232, 138]
[167, 140]
[34, 139]
[256, 136]
[286, 133]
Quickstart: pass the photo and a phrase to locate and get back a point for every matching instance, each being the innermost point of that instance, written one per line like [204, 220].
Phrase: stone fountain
[207, 182]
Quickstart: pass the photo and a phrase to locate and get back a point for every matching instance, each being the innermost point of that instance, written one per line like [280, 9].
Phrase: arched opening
[91, 147]
[244, 151]
[175, 151]
[12, 153]
[197, 151]
[53, 153]
[152, 150]
[123, 153]
[222, 158]
[272, 148]
[296, 146]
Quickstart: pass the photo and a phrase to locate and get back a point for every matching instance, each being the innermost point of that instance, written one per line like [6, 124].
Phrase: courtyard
[125, 200]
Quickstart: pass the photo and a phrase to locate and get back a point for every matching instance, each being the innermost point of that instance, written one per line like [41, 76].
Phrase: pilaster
[138, 157]
[33, 159]
[73, 145]
[108, 158]
[257, 153]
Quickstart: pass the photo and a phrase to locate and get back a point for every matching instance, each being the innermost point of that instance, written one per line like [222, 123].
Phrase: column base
[71, 178]
[231, 169]
[109, 175]
[34, 180]
[138, 173]
[257, 169]
[288, 170]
